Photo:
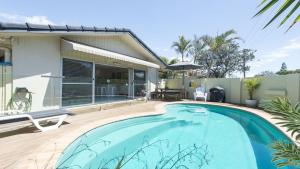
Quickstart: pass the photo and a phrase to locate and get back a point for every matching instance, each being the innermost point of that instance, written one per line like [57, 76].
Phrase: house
[66, 66]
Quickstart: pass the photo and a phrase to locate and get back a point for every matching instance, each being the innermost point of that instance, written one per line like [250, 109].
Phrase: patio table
[162, 92]
[172, 92]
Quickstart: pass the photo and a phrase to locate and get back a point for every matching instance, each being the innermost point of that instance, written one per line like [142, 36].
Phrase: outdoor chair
[35, 117]
[200, 93]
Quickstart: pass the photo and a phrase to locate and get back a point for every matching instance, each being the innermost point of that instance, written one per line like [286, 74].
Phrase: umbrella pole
[183, 84]
[183, 78]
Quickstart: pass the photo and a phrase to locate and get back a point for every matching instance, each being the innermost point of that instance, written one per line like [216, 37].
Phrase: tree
[284, 71]
[246, 56]
[287, 6]
[221, 55]
[165, 73]
[283, 67]
[265, 73]
[167, 61]
[197, 47]
[164, 59]
[182, 46]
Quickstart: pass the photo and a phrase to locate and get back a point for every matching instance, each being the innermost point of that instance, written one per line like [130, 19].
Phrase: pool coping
[47, 154]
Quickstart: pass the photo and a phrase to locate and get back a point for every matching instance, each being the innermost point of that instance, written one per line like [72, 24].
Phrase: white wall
[235, 90]
[33, 57]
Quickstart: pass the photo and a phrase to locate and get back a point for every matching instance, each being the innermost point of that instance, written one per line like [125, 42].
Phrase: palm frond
[295, 4]
[290, 13]
[289, 116]
[266, 7]
[286, 154]
[283, 8]
[297, 19]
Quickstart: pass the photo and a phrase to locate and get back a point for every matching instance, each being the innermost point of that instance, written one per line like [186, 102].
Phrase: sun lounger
[36, 118]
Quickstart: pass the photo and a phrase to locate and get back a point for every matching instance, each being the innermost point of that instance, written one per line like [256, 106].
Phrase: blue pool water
[187, 136]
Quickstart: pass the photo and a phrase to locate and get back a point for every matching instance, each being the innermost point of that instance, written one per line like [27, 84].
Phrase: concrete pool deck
[29, 148]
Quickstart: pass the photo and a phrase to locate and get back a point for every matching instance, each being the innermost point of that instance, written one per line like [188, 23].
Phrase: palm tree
[182, 46]
[206, 47]
[219, 41]
[167, 61]
[197, 48]
[284, 8]
[224, 39]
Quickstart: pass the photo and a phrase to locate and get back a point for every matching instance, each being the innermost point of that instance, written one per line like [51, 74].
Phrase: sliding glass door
[111, 83]
[139, 83]
[77, 82]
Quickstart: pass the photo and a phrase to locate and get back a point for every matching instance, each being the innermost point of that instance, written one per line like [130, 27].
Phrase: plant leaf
[290, 13]
[282, 8]
[266, 7]
[297, 19]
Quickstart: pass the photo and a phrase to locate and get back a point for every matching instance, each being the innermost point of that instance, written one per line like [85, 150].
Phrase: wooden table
[163, 93]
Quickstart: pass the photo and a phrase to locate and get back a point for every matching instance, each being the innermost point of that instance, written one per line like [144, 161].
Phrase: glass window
[111, 83]
[77, 84]
[76, 94]
[77, 71]
[139, 83]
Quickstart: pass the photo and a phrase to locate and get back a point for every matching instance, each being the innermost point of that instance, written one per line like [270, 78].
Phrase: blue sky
[160, 22]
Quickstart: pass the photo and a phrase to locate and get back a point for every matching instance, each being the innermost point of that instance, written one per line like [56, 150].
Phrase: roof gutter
[27, 27]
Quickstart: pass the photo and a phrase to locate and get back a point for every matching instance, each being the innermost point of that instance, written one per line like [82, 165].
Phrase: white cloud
[286, 51]
[166, 49]
[14, 18]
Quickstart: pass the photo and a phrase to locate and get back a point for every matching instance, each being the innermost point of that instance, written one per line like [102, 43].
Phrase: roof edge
[28, 27]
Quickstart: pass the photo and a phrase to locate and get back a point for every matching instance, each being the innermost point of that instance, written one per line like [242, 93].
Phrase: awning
[73, 46]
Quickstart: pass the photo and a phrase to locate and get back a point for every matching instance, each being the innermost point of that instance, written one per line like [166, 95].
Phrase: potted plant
[251, 85]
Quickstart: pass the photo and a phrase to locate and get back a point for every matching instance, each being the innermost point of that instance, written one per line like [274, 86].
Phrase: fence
[271, 87]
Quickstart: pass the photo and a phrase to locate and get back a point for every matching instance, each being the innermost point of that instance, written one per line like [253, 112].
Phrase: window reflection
[139, 83]
[77, 84]
[111, 83]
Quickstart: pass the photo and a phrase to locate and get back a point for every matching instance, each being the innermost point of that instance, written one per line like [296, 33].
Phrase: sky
[159, 22]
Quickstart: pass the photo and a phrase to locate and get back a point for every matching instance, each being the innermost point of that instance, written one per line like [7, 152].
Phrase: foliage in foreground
[287, 6]
[288, 115]
[286, 154]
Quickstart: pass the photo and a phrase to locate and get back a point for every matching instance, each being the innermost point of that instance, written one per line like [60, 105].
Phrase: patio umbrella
[183, 66]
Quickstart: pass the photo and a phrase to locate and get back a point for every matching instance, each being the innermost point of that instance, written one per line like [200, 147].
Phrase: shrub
[251, 85]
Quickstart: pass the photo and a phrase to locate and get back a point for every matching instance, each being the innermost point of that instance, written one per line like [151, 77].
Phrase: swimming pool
[187, 136]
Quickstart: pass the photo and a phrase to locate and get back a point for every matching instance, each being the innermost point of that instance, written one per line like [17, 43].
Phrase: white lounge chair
[200, 93]
[37, 117]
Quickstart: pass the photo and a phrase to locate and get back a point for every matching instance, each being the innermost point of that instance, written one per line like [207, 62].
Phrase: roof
[28, 27]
